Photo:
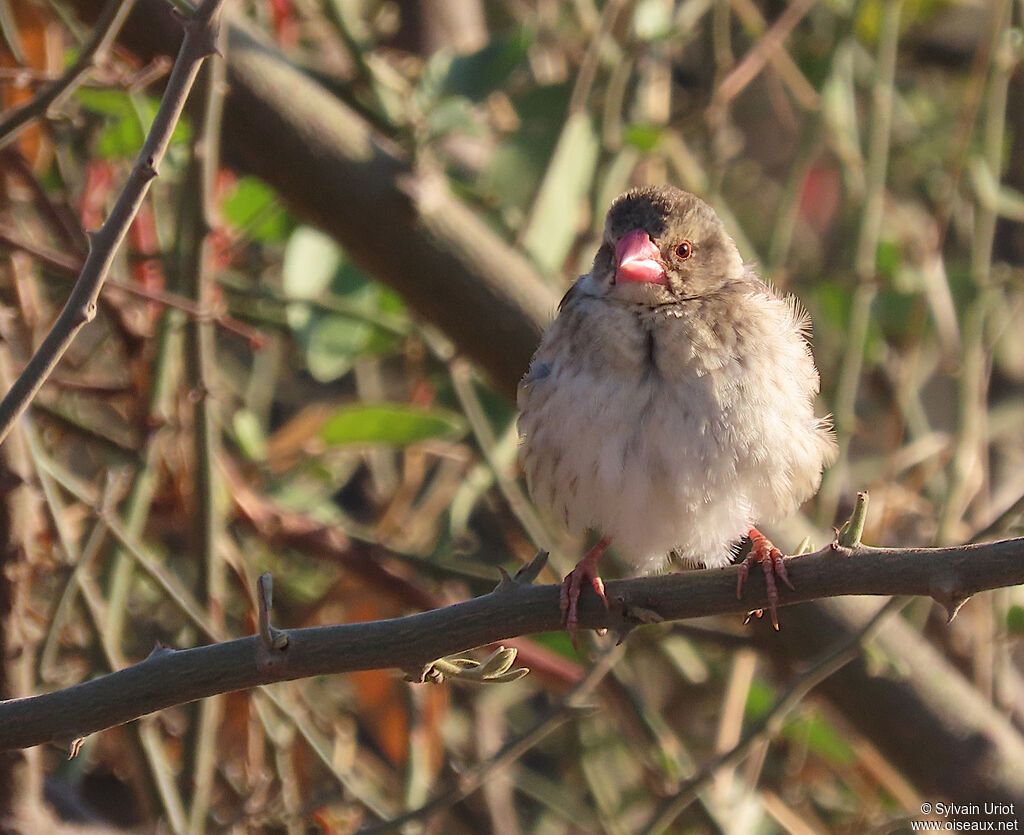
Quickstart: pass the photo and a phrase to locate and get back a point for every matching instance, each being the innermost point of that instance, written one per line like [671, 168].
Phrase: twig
[794, 78]
[949, 575]
[80, 309]
[122, 533]
[64, 226]
[94, 52]
[511, 751]
[763, 52]
[63, 264]
[866, 257]
[197, 222]
[770, 723]
[968, 469]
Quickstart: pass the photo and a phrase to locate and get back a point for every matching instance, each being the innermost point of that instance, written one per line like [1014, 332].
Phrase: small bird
[670, 405]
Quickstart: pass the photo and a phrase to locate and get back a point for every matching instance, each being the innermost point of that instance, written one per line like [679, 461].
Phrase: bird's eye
[684, 250]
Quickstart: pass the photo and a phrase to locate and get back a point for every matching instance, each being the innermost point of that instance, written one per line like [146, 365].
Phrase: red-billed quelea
[670, 406]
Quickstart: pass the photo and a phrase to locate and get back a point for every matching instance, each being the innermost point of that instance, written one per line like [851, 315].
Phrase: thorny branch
[94, 52]
[80, 309]
[171, 677]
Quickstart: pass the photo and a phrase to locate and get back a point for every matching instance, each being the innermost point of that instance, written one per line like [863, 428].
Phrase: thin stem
[967, 469]
[201, 377]
[80, 308]
[866, 256]
[94, 52]
[772, 721]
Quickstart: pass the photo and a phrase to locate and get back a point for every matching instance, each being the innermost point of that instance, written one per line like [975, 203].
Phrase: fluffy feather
[673, 418]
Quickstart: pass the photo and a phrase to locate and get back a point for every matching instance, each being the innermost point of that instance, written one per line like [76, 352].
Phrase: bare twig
[70, 265]
[80, 309]
[949, 575]
[770, 723]
[845, 409]
[763, 52]
[94, 52]
[64, 226]
[197, 222]
[968, 469]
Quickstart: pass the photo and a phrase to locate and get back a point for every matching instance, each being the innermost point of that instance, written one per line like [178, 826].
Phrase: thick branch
[170, 677]
[80, 308]
[402, 226]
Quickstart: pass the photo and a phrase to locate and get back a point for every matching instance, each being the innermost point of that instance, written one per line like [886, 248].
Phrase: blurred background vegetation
[278, 382]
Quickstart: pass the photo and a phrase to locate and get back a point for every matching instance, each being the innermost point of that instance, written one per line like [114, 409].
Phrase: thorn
[159, 648]
[529, 572]
[623, 633]
[848, 536]
[506, 582]
[525, 575]
[952, 607]
[272, 638]
[147, 169]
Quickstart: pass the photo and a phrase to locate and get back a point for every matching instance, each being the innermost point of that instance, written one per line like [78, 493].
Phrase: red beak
[638, 259]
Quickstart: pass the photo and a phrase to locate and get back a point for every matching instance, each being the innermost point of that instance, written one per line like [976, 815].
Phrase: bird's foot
[772, 563]
[568, 599]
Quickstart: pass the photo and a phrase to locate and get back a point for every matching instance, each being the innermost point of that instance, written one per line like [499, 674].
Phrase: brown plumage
[670, 405]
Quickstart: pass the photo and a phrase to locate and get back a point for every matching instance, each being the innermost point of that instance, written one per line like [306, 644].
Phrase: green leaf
[552, 227]
[332, 343]
[511, 180]
[478, 75]
[834, 304]
[1015, 619]
[559, 642]
[392, 424]
[249, 435]
[253, 207]
[642, 137]
[760, 699]
[888, 259]
[127, 119]
[348, 318]
[311, 259]
[454, 115]
[821, 738]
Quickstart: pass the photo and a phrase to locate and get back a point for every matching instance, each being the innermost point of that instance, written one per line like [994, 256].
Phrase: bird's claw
[569, 596]
[773, 564]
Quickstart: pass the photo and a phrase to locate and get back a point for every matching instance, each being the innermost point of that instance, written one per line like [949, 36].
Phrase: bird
[670, 405]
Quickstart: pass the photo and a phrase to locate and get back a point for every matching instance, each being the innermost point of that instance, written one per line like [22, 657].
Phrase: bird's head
[662, 244]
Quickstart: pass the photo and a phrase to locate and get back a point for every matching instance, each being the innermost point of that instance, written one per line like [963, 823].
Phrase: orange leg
[584, 572]
[772, 563]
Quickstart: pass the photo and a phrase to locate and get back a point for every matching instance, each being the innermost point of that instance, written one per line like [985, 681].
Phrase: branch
[771, 723]
[327, 180]
[107, 27]
[70, 266]
[171, 677]
[80, 309]
[401, 225]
